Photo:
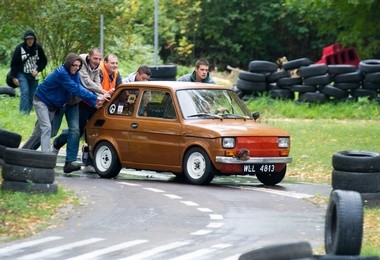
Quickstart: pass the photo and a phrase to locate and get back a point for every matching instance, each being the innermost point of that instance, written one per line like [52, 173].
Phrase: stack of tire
[163, 73]
[284, 86]
[254, 80]
[8, 139]
[371, 83]
[347, 78]
[27, 170]
[315, 79]
[357, 171]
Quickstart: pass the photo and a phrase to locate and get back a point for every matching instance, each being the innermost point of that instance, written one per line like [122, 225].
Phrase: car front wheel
[271, 179]
[198, 168]
[106, 161]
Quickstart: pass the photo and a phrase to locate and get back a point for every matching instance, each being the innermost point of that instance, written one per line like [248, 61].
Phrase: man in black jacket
[27, 61]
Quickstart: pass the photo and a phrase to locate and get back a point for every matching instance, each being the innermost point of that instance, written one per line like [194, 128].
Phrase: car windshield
[211, 103]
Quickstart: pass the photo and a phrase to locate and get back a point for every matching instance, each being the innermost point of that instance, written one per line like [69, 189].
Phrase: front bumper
[253, 160]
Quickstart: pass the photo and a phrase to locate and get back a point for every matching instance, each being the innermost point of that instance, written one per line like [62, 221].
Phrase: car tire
[29, 187]
[106, 160]
[6, 90]
[312, 97]
[251, 86]
[271, 179]
[19, 173]
[296, 250]
[318, 80]
[344, 223]
[251, 76]
[347, 85]
[334, 92]
[290, 81]
[262, 66]
[356, 161]
[363, 182]
[344, 257]
[303, 88]
[31, 158]
[198, 167]
[368, 66]
[361, 92]
[313, 70]
[9, 139]
[334, 69]
[283, 94]
[295, 64]
[348, 77]
[275, 76]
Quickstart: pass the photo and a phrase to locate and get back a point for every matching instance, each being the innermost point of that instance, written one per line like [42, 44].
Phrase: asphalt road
[146, 215]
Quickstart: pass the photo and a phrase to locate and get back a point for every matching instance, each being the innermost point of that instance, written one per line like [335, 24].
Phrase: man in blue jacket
[53, 94]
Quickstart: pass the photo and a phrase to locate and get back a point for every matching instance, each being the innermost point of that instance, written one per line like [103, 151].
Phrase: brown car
[190, 129]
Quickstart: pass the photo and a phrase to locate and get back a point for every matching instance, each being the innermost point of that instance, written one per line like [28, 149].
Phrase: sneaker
[89, 169]
[54, 150]
[71, 167]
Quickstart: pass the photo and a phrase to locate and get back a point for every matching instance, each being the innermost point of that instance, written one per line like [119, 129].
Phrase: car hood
[221, 128]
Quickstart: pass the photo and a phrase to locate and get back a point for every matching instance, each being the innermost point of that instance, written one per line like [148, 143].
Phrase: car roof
[175, 85]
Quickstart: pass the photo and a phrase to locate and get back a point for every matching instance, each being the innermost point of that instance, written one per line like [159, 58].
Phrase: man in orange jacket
[109, 75]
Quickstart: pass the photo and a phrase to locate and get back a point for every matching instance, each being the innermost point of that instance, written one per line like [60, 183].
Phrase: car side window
[124, 104]
[157, 103]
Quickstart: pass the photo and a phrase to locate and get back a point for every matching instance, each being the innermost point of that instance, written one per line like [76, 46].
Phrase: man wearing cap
[27, 61]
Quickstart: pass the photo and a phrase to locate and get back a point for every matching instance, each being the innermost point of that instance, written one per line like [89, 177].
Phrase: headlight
[228, 142]
[283, 142]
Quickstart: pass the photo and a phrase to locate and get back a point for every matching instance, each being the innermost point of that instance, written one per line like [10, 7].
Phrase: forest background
[230, 32]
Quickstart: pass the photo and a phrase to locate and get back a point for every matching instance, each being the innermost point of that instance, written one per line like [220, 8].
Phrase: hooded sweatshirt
[27, 59]
[57, 89]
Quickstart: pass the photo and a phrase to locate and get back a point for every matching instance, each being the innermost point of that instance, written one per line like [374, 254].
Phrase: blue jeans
[28, 85]
[85, 113]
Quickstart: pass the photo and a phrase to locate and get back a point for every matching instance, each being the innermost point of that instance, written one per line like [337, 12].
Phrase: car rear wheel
[271, 179]
[198, 167]
[106, 161]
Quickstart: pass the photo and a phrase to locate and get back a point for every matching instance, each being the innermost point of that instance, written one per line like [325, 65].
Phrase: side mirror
[256, 115]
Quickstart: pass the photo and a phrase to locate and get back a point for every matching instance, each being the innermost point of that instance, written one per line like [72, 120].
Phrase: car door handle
[134, 125]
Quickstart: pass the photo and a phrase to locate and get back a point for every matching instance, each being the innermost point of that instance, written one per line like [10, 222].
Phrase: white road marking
[201, 232]
[287, 193]
[189, 203]
[172, 196]
[216, 216]
[54, 250]
[201, 252]
[107, 250]
[215, 225]
[154, 190]
[204, 210]
[157, 250]
[19, 246]
[128, 183]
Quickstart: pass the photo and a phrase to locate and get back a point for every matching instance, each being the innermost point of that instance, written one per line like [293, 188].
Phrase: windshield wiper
[233, 116]
[205, 115]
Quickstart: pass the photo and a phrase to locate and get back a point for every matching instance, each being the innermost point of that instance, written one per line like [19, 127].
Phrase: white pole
[101, 34]
[155, 32]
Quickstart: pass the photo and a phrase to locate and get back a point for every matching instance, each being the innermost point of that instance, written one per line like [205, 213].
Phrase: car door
[155, 135]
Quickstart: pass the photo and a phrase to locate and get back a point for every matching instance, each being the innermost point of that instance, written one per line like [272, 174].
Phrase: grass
[317, 131]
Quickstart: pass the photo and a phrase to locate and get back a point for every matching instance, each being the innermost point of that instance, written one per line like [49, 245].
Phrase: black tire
[334, 92]
[356, 161]
[361, 92]
[273, 77]
[340, 68]
[303, 88]
[163, 71]
[2, 150]
[347, 86]
[373, 77]
[284, 94]
[30, 158]
[313, 70]
[106, 161]
[318, 80]
[344, 223]
[362, 182]
[2, 162]
[198, 167]
[251, 76]
[271, 179]
[295, 64]
[245, 85]
[348, 77]
[368, 66]
[286, 251]
[371, 86]
[10, 139]
[29, 187]
[262, 66]
[312, 97]
[289, 81]
[19, 173]
[6, 90]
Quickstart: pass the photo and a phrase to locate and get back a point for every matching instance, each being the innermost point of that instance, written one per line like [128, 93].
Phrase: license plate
[255, 168]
